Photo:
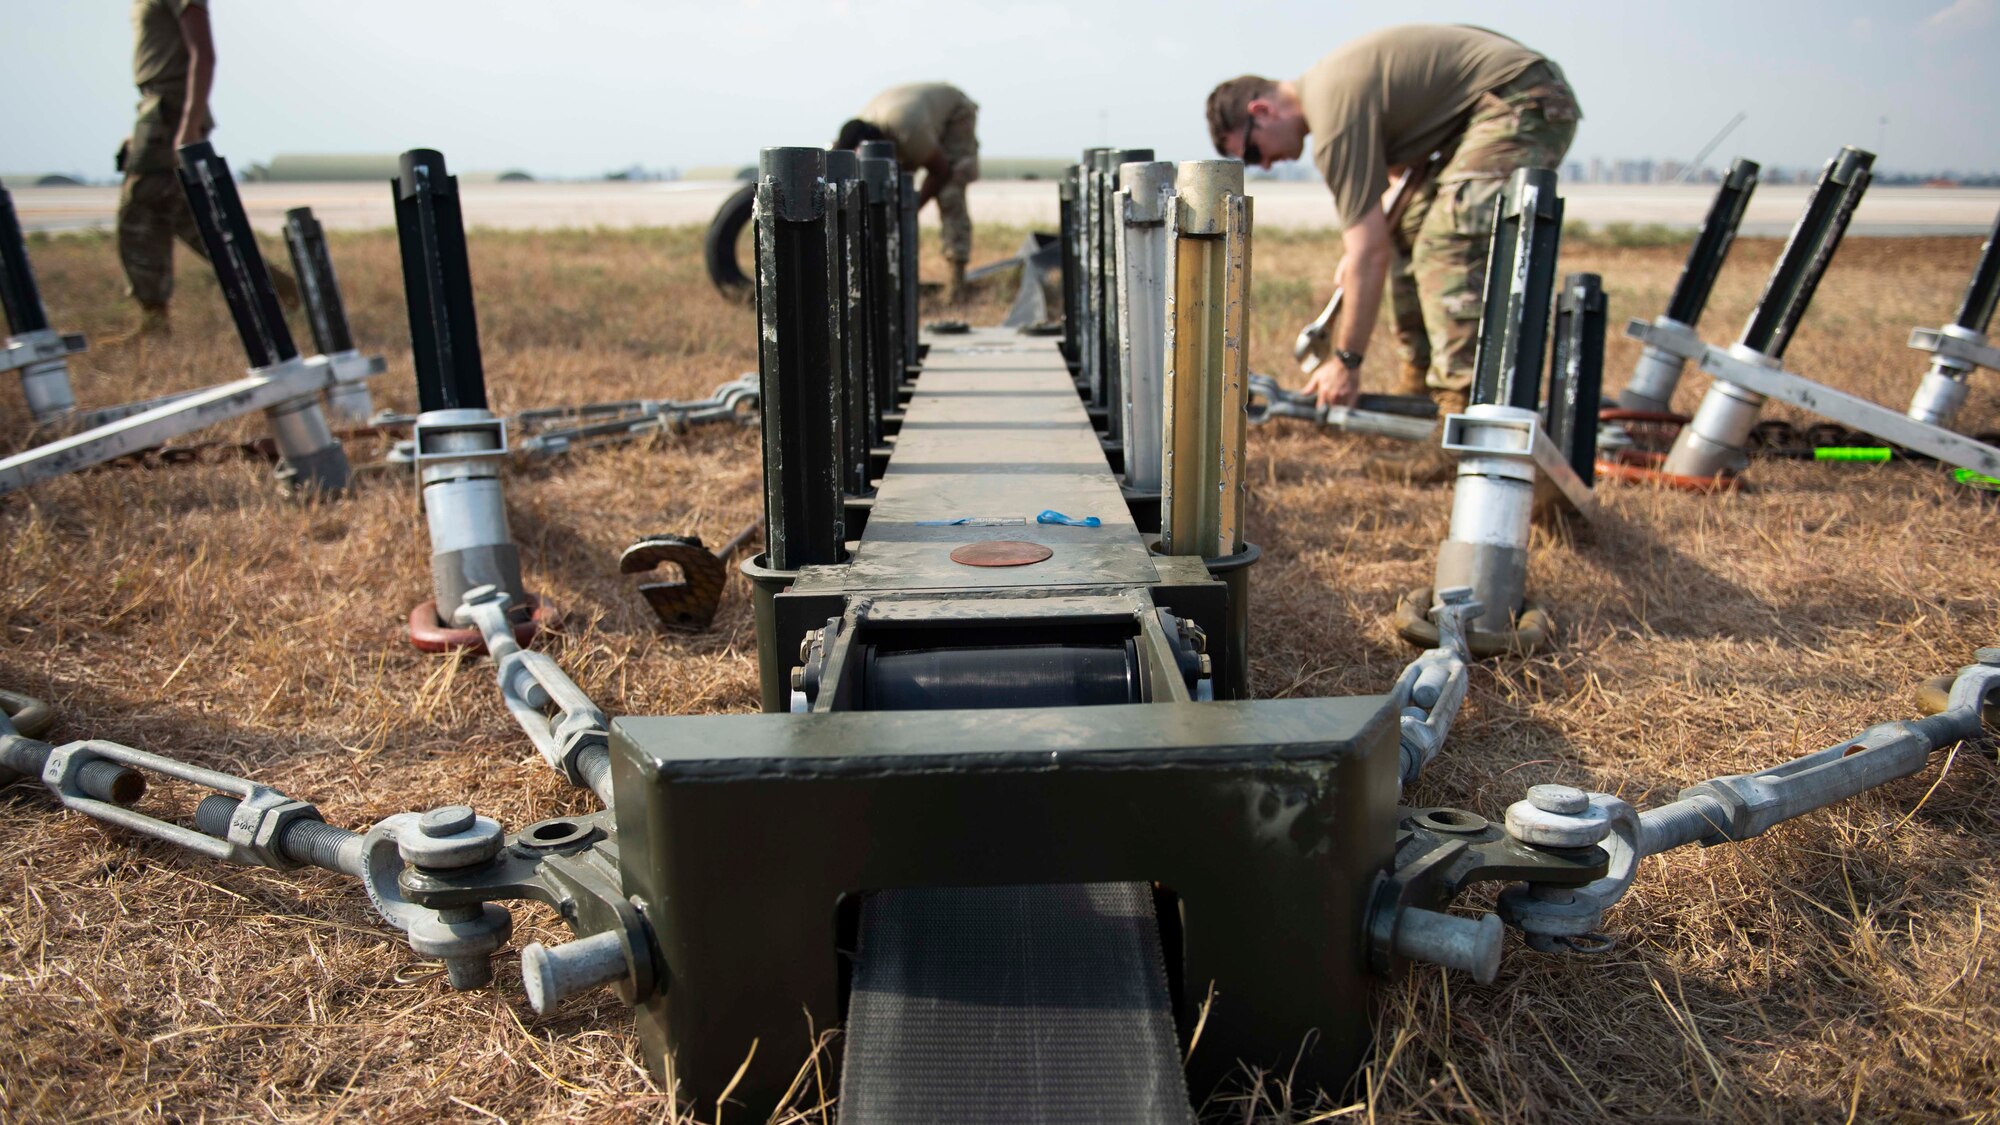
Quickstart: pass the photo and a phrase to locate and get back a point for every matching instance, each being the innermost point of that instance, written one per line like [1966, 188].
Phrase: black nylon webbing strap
[1011, 1004]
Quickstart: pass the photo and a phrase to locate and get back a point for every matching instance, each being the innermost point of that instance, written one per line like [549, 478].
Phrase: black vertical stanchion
[437, 281]
[18, 292]
[850, 278]
[1975, 312]
[232, 249]
[1520, 280]
[906, 203]
[460, 443]
[881, 225]
[1576, 373]
[1658, 372]
[312, 458]
[325, 311]
[798, 358]
[1072, 268]
[885, 213]
[1711, 246]
[1808, 252]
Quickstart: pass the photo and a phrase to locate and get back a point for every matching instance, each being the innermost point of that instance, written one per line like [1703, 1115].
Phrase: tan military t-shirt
[159, 54]
[914, 116]
[1394, 97]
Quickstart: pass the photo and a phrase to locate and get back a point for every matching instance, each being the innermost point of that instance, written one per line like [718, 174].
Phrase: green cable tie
[1851, 453]
[1976, 480]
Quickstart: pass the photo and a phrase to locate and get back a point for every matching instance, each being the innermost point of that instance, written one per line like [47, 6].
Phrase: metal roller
[1012, 676]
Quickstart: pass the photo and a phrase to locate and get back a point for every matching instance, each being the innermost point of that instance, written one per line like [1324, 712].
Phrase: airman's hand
[1334, 385]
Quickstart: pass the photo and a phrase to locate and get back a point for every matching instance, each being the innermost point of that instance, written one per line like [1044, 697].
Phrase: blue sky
[578, 88]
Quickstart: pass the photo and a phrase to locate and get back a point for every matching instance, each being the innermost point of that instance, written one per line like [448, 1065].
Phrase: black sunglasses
[1251, 154]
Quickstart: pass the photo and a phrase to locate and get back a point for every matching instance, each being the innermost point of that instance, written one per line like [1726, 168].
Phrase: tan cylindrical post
[1204, 424]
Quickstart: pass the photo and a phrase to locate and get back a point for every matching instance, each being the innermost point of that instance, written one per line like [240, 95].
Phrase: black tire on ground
[719, 248]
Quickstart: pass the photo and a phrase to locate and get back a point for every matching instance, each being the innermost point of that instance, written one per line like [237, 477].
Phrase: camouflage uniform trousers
[152, 208]
[1437, 277]
[960, 145]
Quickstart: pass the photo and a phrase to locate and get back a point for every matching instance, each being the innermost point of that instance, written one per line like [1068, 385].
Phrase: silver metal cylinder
[348, 400]
[46, 386]
[1492, 507]
[1143, 207]
[1654, 377]
[1714, 441]
[552, 974]
[1943, 390]
[313, 459]
[465, 510]
[1470, 945]
[300, 427]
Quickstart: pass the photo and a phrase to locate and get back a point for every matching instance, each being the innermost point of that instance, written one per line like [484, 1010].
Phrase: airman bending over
[934, 126]
[1379, 105]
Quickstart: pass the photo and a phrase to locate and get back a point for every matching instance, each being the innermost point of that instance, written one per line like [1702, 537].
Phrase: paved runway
[1296, 206]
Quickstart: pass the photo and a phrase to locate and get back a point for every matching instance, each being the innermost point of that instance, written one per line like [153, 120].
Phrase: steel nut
[574, 744]
[1542, 828]
[269, 829]
[64, 763]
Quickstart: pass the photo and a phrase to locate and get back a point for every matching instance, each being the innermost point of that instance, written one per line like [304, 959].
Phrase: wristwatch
[1349, 360]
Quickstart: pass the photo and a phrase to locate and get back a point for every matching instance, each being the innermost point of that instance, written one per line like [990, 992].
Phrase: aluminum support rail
[1765, 380]
[576, 741]
[349, 402]
[1205, 393]
[313, 458]
[1715, 440]
[277, 390]
[38, 352]
[1659, 369]
[459, 442]
[798, 357]
[1722, 810]
[1962, 345]
[1501, 446]
[1142, 205]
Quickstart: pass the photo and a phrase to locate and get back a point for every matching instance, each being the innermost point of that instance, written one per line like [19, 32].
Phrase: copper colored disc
[1000, 552]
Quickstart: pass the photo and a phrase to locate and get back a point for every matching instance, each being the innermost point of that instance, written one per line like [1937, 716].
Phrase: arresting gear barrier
[1020, 831]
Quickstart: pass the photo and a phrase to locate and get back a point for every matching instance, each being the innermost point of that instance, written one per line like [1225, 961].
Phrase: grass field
[1835, 969]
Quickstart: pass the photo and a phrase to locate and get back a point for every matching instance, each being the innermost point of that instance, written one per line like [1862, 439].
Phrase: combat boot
[1427, 463]
[1410, 380]
[154, 324]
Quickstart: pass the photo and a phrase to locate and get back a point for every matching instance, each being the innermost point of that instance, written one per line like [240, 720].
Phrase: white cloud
[1956, 18]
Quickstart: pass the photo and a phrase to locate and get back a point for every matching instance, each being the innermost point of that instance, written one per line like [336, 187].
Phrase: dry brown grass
[1834, 969]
